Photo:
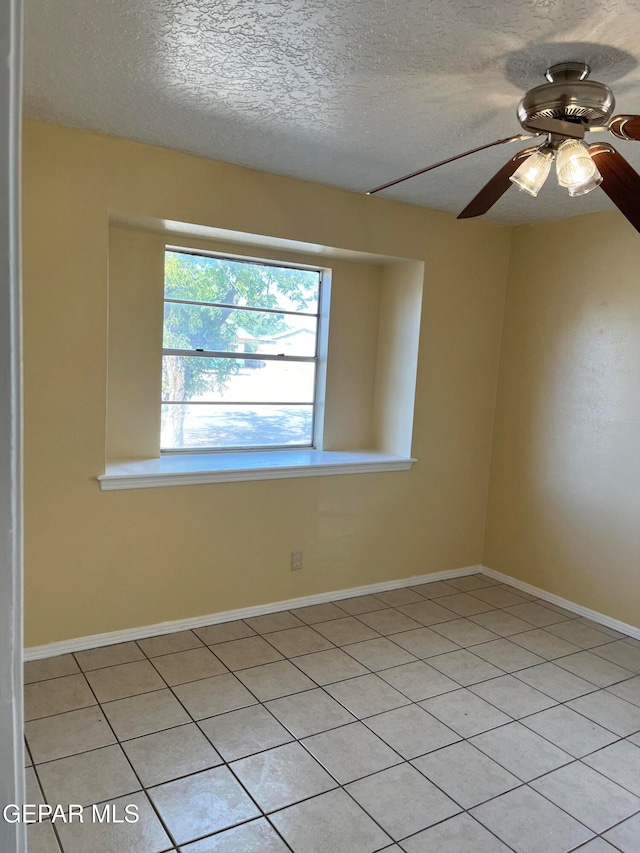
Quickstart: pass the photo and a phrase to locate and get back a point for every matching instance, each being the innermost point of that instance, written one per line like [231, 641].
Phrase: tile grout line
[261, 703]
[44, 797]
[340, 786]
[361, 720]
[133, 770]
[513, 673]
[225, 763]
[460, 685]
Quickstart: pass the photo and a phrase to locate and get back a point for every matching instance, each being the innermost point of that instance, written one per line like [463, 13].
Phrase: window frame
[319, 359]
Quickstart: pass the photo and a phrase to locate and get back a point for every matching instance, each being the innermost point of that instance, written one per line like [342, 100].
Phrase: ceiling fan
[563, 110]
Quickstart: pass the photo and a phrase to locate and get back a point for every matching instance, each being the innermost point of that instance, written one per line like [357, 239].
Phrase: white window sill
[187, 469]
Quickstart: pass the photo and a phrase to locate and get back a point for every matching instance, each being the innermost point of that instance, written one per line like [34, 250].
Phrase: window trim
[204, 353]
[319, 359]
[191, 470]
[241, 307]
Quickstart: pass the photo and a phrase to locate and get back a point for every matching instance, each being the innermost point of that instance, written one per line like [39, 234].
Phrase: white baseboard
[80, 644]
[601, 618]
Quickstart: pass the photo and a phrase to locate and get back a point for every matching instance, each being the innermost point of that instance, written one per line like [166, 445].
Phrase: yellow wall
[134, 343]
[564, 504]
[398, 341]
[102, 561]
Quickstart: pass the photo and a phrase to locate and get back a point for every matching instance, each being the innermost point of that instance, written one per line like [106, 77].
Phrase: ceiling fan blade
[625, 127]
[496, 187]
[518, 137]
[620, 182]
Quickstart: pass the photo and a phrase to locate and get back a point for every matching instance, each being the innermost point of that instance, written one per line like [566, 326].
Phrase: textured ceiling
[350, 93]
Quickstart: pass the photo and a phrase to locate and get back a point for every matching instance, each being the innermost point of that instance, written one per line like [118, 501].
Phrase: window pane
[191, 426]
[236, 380]
[237, 330]
[205, 279]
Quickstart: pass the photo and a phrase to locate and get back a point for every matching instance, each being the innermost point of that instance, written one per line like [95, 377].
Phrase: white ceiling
[350, 93]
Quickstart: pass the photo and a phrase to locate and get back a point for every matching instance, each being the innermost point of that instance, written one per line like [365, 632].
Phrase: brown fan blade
[517, 138]
[625, 127]
[496, 187]
[620, 182]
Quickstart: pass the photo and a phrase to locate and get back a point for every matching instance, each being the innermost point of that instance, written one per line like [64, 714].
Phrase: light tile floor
[453, 717]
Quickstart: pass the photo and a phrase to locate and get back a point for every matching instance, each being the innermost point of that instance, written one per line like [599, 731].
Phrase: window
[240, 353]
[358, 414]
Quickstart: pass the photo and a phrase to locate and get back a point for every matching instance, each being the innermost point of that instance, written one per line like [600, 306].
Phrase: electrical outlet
[296, 560]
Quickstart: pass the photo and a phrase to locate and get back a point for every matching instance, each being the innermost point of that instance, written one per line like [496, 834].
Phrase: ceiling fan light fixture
[587, 186]
[575, 169]
[564, 109]
[533, 172]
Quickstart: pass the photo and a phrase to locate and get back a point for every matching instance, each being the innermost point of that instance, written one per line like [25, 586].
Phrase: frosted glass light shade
[532, 172]
[575, 169]
[590, 183]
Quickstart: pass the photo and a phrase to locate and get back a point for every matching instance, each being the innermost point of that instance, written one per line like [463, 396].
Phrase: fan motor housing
[569, 97]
